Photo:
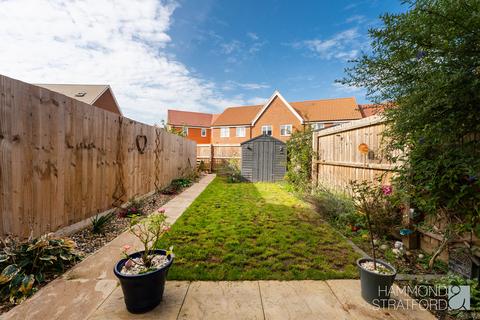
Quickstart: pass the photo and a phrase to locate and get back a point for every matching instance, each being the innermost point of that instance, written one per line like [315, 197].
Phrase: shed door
[263, 152]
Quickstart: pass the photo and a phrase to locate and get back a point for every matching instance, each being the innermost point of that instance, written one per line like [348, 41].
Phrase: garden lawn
[251, 231]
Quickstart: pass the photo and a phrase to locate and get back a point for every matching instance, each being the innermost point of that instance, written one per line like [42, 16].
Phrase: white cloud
[356, 19]
[231, 85]
[344, 45]
[257, 100]
[230, 47]
[252, 35]
[346, 89]
[117, 42]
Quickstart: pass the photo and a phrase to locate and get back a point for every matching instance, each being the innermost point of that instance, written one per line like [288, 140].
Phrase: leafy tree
[424, 66]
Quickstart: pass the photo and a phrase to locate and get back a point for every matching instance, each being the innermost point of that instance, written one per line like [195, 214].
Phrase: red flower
[387, 190]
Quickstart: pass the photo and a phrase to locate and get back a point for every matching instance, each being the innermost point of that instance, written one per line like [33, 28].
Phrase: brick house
[194, 125]
[99, 95]
[224, 132]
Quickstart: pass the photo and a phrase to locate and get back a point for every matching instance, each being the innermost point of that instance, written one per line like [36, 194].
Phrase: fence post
[211, 158]
[314, 159]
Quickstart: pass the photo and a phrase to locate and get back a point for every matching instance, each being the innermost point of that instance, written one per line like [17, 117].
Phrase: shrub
[176, 185]
[148, 230]
[100, 222]
[27, 264]
[202, 167]
[299, 161]
[134, 208]
[231, 170]
[380, 202]
[334, 207]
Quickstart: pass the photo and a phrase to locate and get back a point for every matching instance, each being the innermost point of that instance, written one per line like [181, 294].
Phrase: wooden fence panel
[63, 161]
[338, 160]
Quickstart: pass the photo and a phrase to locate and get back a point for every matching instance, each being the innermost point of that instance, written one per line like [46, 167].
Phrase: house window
[318, 126]
[240, 132]
[185, 131]
[224, 132]
[267, 130]
[286, 130]
[204, 132]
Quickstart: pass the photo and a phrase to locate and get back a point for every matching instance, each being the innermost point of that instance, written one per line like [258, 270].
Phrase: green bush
[27, 264]
[425, 61]
[100, 222]
[299, 161]
[335, 207]
[202, 167]
[231, 170]
[134, 208]
[177, 185]
[380, 202]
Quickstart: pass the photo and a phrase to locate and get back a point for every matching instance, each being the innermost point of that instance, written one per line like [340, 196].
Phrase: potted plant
[142, 274]
[376, 276]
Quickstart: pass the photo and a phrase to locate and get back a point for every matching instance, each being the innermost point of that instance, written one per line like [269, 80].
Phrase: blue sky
[191, 55]
[297, 47]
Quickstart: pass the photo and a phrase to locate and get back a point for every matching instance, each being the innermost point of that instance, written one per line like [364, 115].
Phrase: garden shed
[264, 158]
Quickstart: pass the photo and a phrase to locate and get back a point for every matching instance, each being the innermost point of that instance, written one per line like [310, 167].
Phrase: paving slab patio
[302, 300]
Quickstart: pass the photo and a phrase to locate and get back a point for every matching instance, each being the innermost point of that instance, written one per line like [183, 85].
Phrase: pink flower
[166, 228]
[125, 248]
[387, 190]
[161, 210]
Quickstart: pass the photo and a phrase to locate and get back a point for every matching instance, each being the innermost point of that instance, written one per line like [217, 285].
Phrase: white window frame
[318, 126]
[203, 132]
[284, 127]
[266, 127]
[241, 135]
[185, 131]
[225, 132]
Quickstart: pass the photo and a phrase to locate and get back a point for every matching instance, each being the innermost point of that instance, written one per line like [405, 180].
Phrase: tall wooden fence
[349, 152]
[63, 161]
[214, 156]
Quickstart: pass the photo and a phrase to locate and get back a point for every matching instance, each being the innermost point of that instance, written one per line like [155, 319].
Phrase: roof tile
[181, 118]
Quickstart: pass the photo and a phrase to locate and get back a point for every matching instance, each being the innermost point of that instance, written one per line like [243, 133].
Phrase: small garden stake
[370, 230]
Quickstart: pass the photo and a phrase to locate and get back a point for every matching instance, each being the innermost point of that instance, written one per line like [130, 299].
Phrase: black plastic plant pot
[376, 286]
[143, 292]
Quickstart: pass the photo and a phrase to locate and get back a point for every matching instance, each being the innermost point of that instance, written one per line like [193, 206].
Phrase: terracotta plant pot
[376, 286]
[143, 292]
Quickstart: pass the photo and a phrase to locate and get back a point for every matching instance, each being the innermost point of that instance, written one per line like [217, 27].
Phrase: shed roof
[263, 137]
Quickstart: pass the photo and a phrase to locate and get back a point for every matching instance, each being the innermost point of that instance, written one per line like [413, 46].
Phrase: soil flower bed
[88, 242]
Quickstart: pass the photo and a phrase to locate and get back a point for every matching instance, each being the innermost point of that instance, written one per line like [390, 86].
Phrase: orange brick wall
[195, 134]
[216, 139]
[277, 114]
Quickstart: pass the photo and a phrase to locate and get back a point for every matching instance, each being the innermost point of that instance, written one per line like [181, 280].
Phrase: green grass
[247, 231]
